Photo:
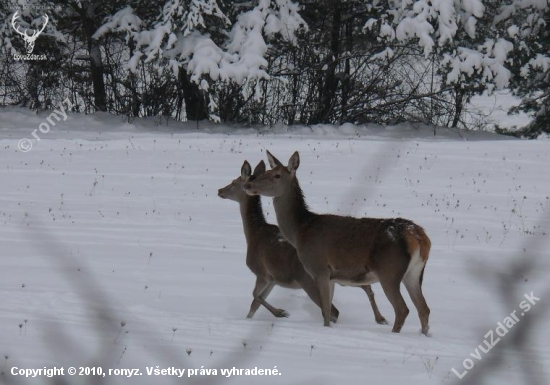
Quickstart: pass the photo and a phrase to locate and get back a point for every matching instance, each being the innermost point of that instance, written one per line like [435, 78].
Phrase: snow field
[116, 251]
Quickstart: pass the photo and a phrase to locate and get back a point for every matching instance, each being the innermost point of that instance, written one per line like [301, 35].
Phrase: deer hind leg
[377, 316]
[393, 292]
[254, 306]
[413, 283]
[308, 284]
[261, 285]
[390, 275]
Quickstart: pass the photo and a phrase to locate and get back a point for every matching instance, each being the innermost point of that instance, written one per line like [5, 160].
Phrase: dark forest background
[279, 62]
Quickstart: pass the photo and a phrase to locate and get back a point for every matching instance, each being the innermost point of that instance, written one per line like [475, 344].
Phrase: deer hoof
[382, 321]
[280, 313]
[334, 314]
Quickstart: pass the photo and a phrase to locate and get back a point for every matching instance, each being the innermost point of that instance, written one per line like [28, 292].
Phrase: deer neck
[292, 212]
[252, 216]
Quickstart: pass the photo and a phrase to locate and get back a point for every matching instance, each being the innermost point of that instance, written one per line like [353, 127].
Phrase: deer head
[277, 181]
[29, 40]
[234, 190]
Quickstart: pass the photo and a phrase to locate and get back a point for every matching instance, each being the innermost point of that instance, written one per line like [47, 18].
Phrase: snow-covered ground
[116, 251]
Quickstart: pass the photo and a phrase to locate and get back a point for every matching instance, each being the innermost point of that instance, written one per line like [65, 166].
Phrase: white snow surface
[116, 251]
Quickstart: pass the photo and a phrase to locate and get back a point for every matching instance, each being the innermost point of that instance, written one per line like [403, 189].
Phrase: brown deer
[268, 255]
[347, 250]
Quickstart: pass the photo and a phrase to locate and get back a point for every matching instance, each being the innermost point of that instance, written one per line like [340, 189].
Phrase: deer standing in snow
[268, 255]
[347, 250]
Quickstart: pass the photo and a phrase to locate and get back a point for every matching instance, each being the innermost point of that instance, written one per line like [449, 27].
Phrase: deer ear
[273, 162]
[293, 163]
[245, 170]
[260, 169]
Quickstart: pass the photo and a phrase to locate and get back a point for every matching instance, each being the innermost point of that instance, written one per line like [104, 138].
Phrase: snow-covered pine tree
[526, 23]
[481, 47]
[202, 45]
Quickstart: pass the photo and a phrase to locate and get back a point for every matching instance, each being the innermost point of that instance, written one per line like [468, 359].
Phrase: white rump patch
[416, 265]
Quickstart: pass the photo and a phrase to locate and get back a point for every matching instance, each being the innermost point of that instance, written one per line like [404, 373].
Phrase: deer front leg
[261, 284]
[323, 284]
[309, 286]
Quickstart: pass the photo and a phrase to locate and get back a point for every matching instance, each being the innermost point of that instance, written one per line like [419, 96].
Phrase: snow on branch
[488, 61]
[124, 21]
[183, 37]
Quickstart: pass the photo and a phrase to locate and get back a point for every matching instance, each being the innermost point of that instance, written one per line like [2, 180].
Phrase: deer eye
[277, 176]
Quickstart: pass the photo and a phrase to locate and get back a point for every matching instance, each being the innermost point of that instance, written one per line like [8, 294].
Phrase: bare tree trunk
[330, 85]
[136, 101]
[195, 101]
[345, 88]
[94, 49]
[33, 88]
[459, 105]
